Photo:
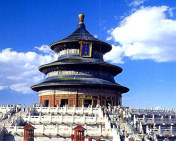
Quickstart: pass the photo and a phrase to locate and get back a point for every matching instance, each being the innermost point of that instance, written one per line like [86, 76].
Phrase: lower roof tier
[79, 82]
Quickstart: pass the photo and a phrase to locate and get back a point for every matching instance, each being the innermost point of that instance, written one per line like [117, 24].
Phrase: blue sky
[142, 34]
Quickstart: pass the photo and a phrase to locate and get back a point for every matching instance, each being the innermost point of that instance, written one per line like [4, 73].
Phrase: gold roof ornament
[81, 18]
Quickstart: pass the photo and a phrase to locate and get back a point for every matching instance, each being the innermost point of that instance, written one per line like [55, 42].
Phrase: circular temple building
[80, 76]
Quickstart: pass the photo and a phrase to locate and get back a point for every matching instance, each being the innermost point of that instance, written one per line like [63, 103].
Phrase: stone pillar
[84, 119]
[144, 118]
[153, 118]
[57, 129]
[162, 119]
[15, 128]
[86, 130]
[65, 109]
[57, 109]
[171, 130]
[74, 110]
[100, 129]
[41, 108]
[40, 117]
[82, 109]
[95, 118]
[91, 109]
[29, 117]
[134, 119]
[159, 130]
[147, 129]
[50, 117]
[73, 118]
[61, 118]
[49, 108]
[140, 127]
[43, 129]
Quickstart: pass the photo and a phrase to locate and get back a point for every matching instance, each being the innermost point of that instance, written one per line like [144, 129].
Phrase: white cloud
[145, 34]
[44, 48]
[115, 53]
[137, 2]
[19, 70]
[3, 87]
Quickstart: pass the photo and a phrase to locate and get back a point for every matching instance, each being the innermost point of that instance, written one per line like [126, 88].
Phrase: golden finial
[81, 18]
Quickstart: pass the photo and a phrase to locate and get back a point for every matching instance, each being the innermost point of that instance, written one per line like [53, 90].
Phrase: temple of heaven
[80, 76]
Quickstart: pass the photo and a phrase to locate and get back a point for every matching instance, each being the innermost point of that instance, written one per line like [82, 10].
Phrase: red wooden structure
[72, 137]
[79, 133]
[28, 133]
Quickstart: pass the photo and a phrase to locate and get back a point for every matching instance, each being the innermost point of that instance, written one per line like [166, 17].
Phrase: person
[132, 139]
[132, 126]
[106, 112]
[24, 108]
[147, 139]
[97, 106]
[123, 131]
[126, 138]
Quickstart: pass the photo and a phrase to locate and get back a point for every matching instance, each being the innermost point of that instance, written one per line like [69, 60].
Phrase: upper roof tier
[81, 34]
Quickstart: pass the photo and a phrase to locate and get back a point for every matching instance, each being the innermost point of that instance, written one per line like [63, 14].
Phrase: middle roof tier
[78, 63]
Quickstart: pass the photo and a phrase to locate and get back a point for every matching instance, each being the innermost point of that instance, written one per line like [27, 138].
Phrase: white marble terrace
[57, 123]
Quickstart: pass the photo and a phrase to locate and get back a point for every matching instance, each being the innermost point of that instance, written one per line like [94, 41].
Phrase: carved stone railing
[60, 130]
[68, 119]
[69, 110]
[151, 112]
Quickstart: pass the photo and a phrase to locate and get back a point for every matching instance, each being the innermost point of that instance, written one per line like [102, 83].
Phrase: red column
[76, 100]
[40, 100]
[72, 137]
[82, 138]
[53, 99]
[24, 135]
[76, 136]
[68, 102]
[89, 139]
[97, 139]
[99, 101]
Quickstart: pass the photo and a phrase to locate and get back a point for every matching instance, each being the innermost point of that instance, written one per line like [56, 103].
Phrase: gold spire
[81, 18]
